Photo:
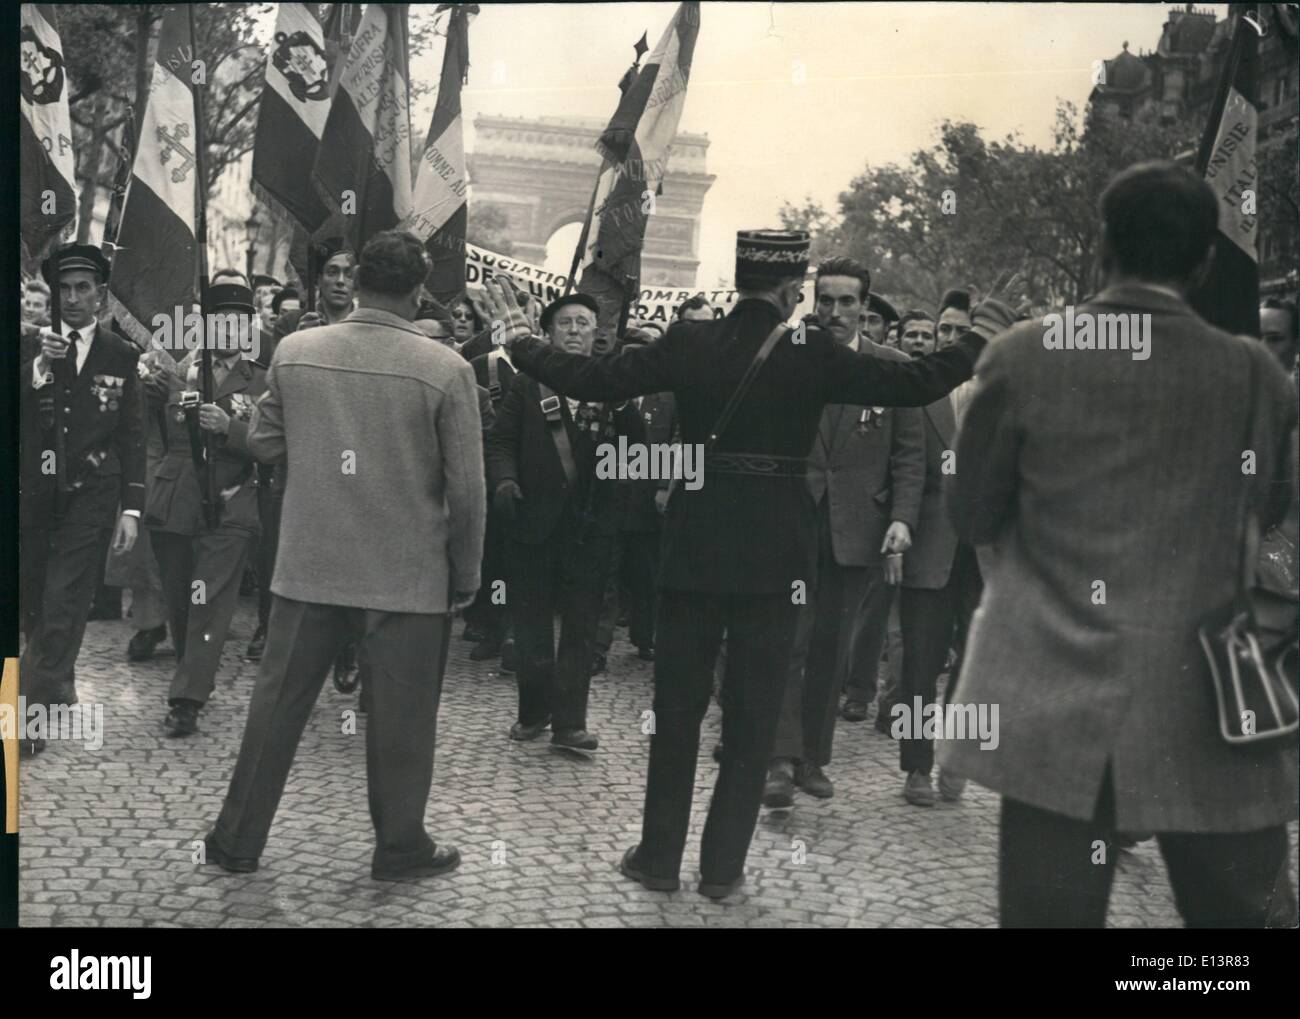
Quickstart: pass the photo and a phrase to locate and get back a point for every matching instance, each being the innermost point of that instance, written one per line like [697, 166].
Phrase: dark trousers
[760, 632]
[1051, 873]
[489, 610]
[826, 639]
[269, 505]
[631, 585]
[870, 640]
[558, 574]
[931, 621]
[407, 655]
[61, 566]
[200, 616]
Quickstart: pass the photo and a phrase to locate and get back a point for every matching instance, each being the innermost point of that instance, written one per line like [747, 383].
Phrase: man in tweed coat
[1109, 484]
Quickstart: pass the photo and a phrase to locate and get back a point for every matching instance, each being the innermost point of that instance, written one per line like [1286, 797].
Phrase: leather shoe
[854, 711]
[485, 649]
[646, 652]
[628, 867]
[951, 786]
[142, 644]
[30, 747]
[720, 889]
[778, 791]
[256, 646]
[509, 658]
[597, 663]
[918, 791]
[812, 780]
[524, 733]
[883, 723]
[474, 634]
[444, 859]
[183, 718]
[574, 739]
[213, 853]
[718, 752]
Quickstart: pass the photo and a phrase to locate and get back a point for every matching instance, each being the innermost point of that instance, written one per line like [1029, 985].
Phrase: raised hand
[509, 321]
[996, 313]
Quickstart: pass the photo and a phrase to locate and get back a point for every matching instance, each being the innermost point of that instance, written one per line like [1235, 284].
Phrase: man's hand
[661, 500]
[310, 320]
[462, 599]
[897, 539]
[125, 533]
[503, 307]
[213, 419]
[997, 312]
[53, 348]
[506, 499]
[894, 569]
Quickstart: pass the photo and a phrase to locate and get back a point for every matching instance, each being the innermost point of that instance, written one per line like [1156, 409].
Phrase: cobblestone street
[106, 835]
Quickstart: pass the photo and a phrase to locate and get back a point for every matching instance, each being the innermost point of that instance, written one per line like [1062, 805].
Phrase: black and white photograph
[654, 465]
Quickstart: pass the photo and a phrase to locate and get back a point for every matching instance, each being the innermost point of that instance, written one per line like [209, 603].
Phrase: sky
[798, 98]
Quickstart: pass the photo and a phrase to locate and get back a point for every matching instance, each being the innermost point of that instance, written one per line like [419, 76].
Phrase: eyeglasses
[461, 315]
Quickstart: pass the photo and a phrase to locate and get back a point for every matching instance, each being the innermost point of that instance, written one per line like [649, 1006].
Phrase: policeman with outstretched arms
[739, 549]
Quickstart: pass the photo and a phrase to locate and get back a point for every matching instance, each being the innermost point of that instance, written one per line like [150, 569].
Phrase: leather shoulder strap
[550, 404]
[742, 387]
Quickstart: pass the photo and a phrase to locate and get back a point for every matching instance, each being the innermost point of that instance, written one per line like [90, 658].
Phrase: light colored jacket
[1083, 468]
[384, 505]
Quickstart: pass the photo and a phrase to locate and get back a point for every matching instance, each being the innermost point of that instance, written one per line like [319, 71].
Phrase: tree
[964, 209]
[109, 50]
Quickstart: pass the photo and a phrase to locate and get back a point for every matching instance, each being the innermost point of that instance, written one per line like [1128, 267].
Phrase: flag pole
[62, 370]
[208, 479]
[571, 282]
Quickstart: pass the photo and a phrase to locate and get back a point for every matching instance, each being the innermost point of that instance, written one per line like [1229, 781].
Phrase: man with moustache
[865, 474]
[563, 523]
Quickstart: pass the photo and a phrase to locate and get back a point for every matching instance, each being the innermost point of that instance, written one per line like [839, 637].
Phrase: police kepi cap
[776, 254]
[82, 256]
[230, 297]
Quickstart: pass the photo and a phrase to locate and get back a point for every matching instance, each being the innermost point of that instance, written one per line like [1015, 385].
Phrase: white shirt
[86, 336]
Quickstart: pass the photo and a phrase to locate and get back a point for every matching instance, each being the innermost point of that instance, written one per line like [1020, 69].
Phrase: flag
[291, 119]
[439, 202]
[154, 265]
[47, 170]
[363, 164]
[635, 146]
[1229, 297]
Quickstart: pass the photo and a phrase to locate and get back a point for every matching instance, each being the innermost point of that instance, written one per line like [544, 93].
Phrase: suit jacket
[175, 503]
[521, 449]
[872, 473]
[928, 562]
[103, 437]
[384, 505]
[741, 533]
[1082, 468]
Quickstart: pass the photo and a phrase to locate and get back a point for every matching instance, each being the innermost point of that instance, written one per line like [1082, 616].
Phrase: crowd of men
[828, 565]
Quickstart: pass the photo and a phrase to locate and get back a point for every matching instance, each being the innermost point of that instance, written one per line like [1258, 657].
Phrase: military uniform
[561, 543]
[189, 551]
[737, 549]
[66, 533]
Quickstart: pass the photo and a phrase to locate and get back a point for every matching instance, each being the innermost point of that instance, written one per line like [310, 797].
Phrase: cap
[287, 294]
[955, 298]
[230, 297]
[82, 256]
[261, 280]
[882, 308]
[776, 254]
[586, 300]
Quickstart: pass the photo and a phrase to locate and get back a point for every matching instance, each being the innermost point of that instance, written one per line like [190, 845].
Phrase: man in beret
[69, 509]
[201, 564]
[563, 523]
[877, 318]
[738, 549]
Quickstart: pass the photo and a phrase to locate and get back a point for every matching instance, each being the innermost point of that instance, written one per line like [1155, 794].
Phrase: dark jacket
[175, 503]
[104, 437]
[521, 449]
[746, 533]
[928, 562]
[483, 374]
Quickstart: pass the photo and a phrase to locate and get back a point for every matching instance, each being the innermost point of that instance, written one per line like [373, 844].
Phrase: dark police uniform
[562, 542]
[737, 550]
[188, 550]
[66, 534]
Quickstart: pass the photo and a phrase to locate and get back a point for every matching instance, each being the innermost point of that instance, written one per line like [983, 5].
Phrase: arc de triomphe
[541, 174]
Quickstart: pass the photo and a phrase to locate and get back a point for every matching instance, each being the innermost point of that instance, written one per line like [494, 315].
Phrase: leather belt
[758, 465]
[550, 405]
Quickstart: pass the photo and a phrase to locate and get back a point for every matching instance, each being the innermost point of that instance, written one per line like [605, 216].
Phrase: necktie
[73, 338]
